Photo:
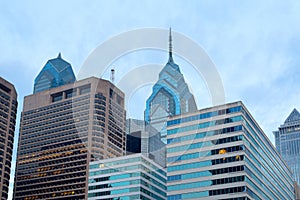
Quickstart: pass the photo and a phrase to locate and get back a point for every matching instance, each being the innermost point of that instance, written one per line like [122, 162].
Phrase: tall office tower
[222, 153]
[170, 96]
[128, 177]
[62, 129]
[287, 140]
[8, 111]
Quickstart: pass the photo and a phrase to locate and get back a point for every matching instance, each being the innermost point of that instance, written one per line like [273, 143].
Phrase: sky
[254, 45]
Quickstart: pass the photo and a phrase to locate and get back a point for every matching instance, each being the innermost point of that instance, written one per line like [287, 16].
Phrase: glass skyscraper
[130, 177]
[222, 153]
[287, 140]
[8, 113]
[62, 129]
[170, 96]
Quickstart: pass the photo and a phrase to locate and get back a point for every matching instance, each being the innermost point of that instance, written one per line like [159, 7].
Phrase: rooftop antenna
[112, 75]
[170, 45]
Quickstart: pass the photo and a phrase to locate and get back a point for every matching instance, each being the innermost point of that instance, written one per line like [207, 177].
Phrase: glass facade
[8, 112]
[127, 178]
[221, 153]
[170, 96]
[55, 73]
[287, 140]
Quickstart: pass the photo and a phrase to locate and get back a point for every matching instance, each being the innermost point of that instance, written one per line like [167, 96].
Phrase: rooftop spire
[59, 55]
[170, 46]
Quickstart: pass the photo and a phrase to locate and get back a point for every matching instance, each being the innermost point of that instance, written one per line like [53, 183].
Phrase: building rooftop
[56, 72]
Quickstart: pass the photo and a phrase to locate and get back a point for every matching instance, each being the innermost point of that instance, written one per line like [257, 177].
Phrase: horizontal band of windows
[58, 158]
[57, 143]
[126, 190]
[49, 135]
[79, 164]
[204, 115]
[111, 186]
[205, 153]
[49, 179]
[55, 125]
[133, 167]
[204, 125]
[53, 169]
[206, 183]
[199, 145]
[66, 195]
[100, 165]
[51, 146]
[55, 119]
[118, 177]
[56, 105]
[206, 173]
[52, 187]
[53, 140]
[204, 134]
[206, 163]
[208, 193]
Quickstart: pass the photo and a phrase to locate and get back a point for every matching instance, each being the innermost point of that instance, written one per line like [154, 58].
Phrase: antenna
[112, 75]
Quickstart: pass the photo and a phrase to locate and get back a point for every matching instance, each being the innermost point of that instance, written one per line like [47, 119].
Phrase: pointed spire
[294, 116]
[170, 46]
[59, 55]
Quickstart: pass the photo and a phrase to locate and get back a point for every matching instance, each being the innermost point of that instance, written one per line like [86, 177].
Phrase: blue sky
[255, 45]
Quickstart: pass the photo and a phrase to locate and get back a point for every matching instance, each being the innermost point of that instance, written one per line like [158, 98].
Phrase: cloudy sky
[255, 46]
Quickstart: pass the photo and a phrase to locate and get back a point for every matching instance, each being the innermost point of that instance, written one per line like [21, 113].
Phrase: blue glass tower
[55, 73]
[170, 96]
[287, 140]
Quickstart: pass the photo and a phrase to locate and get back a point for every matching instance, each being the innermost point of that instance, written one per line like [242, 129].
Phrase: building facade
[222, 153]
[130, 177]
[170, 96]
[134, 131]
[287, 140]
[62, 129]
[8, 112]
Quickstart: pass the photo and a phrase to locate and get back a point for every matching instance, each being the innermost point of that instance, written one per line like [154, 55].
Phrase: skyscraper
[222, 153]
[62, 129]
[8, 112]
[127, 177]
[287, 140]
[170, 96]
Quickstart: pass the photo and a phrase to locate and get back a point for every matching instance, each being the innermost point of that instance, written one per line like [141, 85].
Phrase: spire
[59, 55]
[170, 46]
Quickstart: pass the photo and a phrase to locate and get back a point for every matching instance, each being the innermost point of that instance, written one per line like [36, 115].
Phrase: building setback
[222, 153]
[62, 129]
[287, 140]
[128, 177]
[8, 112]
